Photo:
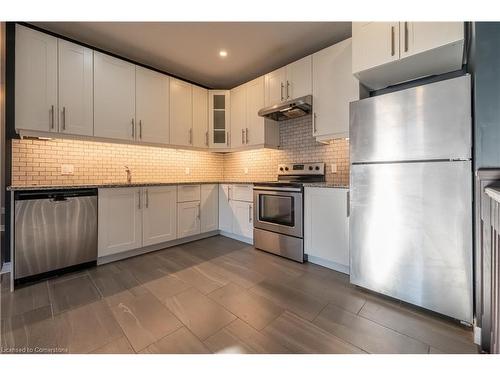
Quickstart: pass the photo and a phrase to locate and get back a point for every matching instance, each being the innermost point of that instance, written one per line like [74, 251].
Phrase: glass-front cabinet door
[219, 105]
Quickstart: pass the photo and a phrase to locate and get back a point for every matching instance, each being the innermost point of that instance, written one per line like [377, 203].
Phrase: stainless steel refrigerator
[411, 196]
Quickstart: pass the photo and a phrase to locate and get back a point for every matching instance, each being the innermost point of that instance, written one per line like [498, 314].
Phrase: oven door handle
[263, 188]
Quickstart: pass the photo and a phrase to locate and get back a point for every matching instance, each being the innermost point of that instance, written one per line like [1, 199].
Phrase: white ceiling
[190, 49]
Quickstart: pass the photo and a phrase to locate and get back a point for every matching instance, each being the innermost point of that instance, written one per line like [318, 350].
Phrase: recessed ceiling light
[222, 53]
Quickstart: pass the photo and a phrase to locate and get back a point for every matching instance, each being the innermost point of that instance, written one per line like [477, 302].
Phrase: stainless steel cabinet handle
[392, 41]
[242, 136]
[228, 135]
[140, 129]
[191, 136]
[52, 123]
[249, 213]
[287, 89]
[139, 194]
[206, 138]
[199, 209]
[406, 36]
[281, 91]
[228, 193]
[64, 118]
[246, 135]
[133, 130]
[147, 198]
[348, 204]
[314, 123]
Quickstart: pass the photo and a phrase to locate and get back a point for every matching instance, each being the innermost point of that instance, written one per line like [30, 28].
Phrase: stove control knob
[310, 168]
[281, 169]
[317, 168]
[286, 168]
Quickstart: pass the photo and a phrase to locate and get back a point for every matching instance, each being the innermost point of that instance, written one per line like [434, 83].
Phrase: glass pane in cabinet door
[219, 101]
[219, 136]
[220, 120]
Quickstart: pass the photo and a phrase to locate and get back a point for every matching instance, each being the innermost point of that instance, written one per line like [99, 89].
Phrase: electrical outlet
[333, 166]
[245, 170]
[67, 169]
[187, 171]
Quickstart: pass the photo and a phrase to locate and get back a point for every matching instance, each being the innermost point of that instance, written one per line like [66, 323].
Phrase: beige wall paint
[38, 162]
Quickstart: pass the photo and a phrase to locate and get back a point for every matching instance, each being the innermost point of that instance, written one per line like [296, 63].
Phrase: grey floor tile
[365, 334]
[199, 313]
[143, 319]
[302, 336]
[166, 287]
[181, 341]
[201, 278]
[145, 268]
[330, 289]
[24, 299]
[294, 300]
[110, 279]
[239, 338]
[86, 328]
[237, 273]
[423, 328]
[68, 293]
[118, 346]
[20, 335]
[249, 307]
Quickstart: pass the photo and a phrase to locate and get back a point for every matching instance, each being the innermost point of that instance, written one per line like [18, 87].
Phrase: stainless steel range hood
[292, 108]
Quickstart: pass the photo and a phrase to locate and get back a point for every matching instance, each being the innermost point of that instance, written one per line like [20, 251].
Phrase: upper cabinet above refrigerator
[388, 53]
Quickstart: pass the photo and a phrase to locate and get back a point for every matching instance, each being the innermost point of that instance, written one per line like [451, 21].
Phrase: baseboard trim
[236, 237]
[328, 264]
[143, 250]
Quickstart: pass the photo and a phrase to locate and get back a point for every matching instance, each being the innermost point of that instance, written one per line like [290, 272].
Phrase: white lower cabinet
[188, 219]
[120, 220]
[242, 218]
[159, 218]
[225, 212]
[209, 208]
[326, 227]
[236, 211]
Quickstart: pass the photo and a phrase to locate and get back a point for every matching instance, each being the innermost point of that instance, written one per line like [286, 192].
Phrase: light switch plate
[67, 169]
[333, 166]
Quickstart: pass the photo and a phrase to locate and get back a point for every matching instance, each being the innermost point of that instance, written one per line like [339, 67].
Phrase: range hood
[292, 108]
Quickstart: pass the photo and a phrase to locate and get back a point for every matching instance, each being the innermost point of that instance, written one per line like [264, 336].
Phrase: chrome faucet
[129, 174]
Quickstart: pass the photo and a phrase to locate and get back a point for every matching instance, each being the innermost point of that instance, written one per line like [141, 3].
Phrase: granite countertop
[119, 185]
[140, 184]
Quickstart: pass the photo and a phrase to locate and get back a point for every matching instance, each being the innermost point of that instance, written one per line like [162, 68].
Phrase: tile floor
[216, 295]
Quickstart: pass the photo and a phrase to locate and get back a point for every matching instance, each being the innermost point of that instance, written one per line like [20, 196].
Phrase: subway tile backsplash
[38, 162]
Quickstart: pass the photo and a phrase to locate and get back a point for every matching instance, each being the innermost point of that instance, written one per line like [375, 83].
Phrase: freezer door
[411, 233]
[428, 122]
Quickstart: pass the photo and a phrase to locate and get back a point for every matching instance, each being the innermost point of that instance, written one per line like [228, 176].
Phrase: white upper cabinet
[159, 214]
[374, 44]
[387, 53]
[200, 117]
[76, 102]
[36, 81]
[275, 87]
[289, 82]
[114, 98]
[219, 114]
[152, 106]
[299, 78]
[181, 113]
[334, 87]
[209, 207]
[238, 116]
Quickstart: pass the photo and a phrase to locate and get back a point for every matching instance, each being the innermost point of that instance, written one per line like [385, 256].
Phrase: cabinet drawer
[241, 193]
[188, 193]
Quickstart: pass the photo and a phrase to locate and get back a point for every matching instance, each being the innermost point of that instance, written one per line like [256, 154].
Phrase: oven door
[278, 210]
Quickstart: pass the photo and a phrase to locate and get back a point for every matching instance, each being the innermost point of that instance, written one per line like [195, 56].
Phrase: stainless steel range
[279, 209]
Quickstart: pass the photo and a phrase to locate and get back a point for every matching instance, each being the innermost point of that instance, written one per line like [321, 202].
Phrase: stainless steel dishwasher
[54, 230]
